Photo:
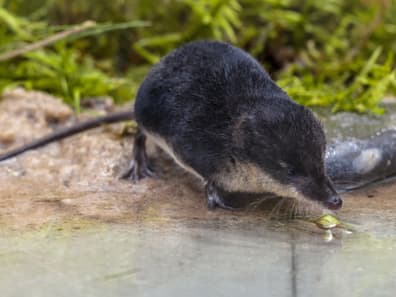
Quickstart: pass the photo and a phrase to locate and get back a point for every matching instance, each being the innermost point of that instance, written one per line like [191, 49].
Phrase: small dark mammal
[216, 111]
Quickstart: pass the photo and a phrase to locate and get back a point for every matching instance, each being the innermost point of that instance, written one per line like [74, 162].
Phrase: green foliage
[330, 53]
[348, 63]
[216, 19]
[59, 70]
[358, 86]
[62, 73]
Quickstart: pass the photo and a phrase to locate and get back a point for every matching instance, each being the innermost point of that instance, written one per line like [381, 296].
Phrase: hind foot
[140, 166]
[139, 170]
[214, 198]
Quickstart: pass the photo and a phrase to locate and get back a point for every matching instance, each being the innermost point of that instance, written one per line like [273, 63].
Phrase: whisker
[288, 209]
[295, 210]
[305, 210]
[255, 204]
[277, 208]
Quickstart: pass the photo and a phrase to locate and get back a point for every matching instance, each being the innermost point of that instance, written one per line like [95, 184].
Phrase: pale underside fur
[238, 177]
[248, 177]
[166, 148]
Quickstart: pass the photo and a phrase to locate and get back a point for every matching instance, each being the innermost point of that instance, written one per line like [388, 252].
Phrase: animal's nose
[334, 202]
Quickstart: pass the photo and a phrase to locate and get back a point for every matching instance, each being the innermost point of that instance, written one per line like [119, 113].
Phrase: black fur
[213, 104]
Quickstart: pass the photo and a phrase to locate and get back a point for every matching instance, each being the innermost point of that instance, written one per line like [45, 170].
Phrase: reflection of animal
[216, 111]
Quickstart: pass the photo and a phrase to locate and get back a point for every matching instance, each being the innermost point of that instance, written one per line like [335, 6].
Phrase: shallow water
[194, 260]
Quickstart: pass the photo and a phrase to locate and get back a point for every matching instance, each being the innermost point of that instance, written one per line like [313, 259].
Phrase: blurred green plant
[216, 19]
[60, 70]
[330, 53]
[359, 86]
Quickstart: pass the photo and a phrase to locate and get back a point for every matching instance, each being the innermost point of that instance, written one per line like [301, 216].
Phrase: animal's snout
[334, 202]
[322, 191]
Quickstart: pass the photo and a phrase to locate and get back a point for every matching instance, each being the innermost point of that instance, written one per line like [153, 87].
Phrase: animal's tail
[68, 131]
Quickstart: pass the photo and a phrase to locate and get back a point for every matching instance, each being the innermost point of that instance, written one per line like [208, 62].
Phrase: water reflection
[196, 261]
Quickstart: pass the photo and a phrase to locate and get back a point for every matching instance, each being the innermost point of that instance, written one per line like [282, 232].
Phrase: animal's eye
[291, 172]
